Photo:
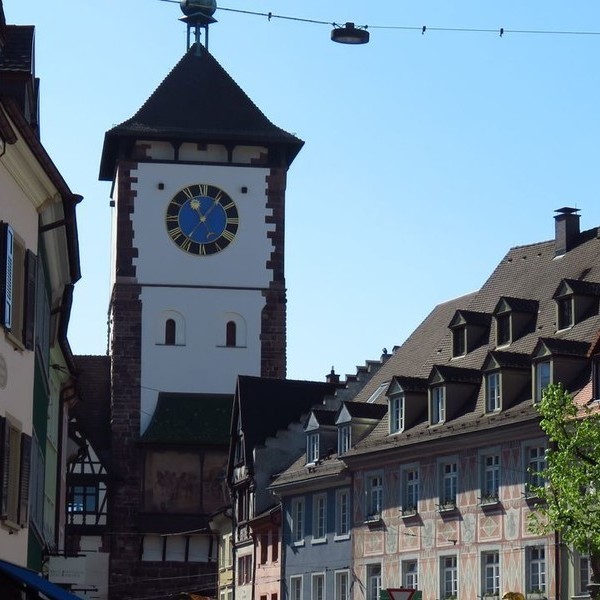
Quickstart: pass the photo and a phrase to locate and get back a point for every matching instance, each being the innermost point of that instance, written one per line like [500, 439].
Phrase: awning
[34, 582]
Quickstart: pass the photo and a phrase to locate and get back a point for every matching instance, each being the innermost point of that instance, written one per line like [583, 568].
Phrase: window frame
[542, 377]
[538, 460]
[536, 569]
[493, 391]
[319, 532]
[490, 573]
[438, 405]
[312, 447]
[410, 577]
[374, 492]
[343, 513]
[490, 477]
[397, 409]
[503, 329]
[448, 482]
[341, 577]
[344, 438]
[448, 575]
[459, 341]
[410, 489]
[565, 312]
[317, 586]
[296, 583]
[298, 516]
[373, 581]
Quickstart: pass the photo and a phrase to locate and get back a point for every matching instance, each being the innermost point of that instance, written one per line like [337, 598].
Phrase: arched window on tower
[170, 332]
[231, 334]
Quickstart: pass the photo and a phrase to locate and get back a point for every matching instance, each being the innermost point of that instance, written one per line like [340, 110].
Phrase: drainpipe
[558, 565]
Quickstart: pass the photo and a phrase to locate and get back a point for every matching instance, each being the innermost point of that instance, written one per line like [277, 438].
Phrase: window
[296, 588]
[15, 463]
[298, 521]
[449, 484]
[564, 308]
[244, 569]
[318, 586]
[264, 548]
[274, 546]
[503, 329]
[582, 575]
[410, 491]
[490, 478]
[312, 448]
[225, 549]
[459, 344]
[319, 517]
[373, 581]
[536, 464]
[492, 392]
[397, 413]
[542, 378]
[448, 577]
[17, 287]
[536, 569]
[83, 499]
[170, 332]
[231, 334]
[410, 575]
[342, 587]
[490, 573]
[344, 438]
[374, 491]
[342, 520]
[438, 405]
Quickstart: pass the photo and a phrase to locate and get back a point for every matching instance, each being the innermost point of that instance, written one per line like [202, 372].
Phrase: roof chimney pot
[566, 229]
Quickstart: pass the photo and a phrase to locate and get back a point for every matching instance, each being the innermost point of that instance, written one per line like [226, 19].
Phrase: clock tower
[198, 297]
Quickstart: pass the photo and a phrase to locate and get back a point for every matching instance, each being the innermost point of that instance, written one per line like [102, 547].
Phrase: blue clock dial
[202, 219]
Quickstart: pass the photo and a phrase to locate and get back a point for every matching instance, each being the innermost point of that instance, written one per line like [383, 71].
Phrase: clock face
[202, 219]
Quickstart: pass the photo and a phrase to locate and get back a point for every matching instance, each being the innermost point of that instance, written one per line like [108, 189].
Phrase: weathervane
[198, 14]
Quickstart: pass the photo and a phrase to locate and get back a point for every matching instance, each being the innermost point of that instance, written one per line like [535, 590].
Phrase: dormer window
[542, 378]
[576, 300]
[397, 413]
[493, 395]
[470, 329]
[564, 307]
[312, 448]
[459, 341]
[438, 405]
[514, 317]
[503, 329]
[344, 438]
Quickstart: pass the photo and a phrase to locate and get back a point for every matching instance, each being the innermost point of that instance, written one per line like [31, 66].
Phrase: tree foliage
[570, 500]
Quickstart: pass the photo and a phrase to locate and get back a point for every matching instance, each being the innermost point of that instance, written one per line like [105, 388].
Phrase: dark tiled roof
[472, 317]
[324, 417]
[511, 359]
[198, 102]
[363, 410]
[92, 412]
[457, 374]
[265, 406]
[527, 272]
[412, 384]
[520, 305]
[190, 419]
[17, 53]
[584, 288]
[565, 347]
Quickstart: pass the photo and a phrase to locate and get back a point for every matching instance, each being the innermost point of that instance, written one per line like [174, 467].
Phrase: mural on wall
[173, 482]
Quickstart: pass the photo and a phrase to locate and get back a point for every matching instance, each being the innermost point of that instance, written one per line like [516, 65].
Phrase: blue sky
[427, 156]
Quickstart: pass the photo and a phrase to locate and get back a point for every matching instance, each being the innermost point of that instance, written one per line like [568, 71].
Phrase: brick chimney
[566, 229]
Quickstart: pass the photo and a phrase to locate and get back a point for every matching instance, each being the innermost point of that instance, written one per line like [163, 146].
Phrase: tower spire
[197, 15]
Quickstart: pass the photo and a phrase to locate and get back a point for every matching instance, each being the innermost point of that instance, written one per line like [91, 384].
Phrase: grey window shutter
[4, 466]
[24, 479]
[29, 308]
[6, 274]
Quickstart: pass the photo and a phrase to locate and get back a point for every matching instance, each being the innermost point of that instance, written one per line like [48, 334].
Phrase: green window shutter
[24, 478]
[29, 302]
[6, 274]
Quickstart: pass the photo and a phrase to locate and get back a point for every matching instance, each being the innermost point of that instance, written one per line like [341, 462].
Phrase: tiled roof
[325, 417]
[472, 317]
[182, 418]
[92, 412]
[457, 374]
[17, 52]
[264, 406]
[585, 288]
[527, 272]
[198, 102]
